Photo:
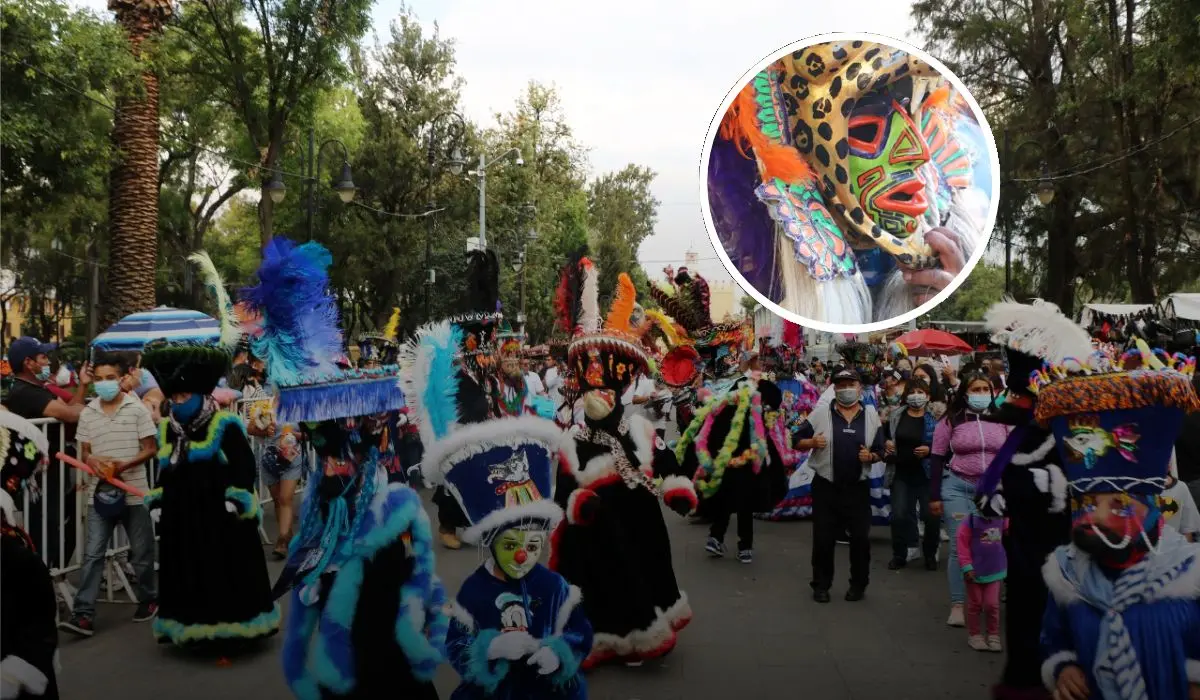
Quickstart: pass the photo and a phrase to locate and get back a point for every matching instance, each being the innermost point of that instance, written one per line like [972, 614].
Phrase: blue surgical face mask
[43, 373]
[187, 410]
[917, 400]
[107, 389]
[978, 402]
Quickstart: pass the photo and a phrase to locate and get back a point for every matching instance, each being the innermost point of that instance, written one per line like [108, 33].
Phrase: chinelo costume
[1124, 606]
[518, 630]
[1025, 482]
[29, 636]
[399, 443]
[830, 169]
[614, 544]
[366, 613]
[214, 590]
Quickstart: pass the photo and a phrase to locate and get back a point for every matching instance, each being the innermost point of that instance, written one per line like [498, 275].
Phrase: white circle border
[993, 205]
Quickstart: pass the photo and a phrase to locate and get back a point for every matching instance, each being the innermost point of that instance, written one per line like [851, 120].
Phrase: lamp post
[1045, 195]
[480, 173]
[455, 164]
[527, 235]
[344, 186]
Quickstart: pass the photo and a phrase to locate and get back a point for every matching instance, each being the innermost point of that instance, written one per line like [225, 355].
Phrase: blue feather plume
[300, 334]
[430, 378]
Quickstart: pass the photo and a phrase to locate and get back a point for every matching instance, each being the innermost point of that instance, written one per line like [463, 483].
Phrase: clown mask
[887, 151]
[1115, 529]
[599, 403]
[516, 552]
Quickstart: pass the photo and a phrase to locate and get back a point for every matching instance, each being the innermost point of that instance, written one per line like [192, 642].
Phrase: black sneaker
[931, 563]
[745, 555]
[855, 594]
[896, 564]
[78, 625]
[714, 548]
[146, 611]
[820, 595]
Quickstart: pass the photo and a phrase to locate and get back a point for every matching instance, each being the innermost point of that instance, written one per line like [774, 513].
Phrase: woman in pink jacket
[963, 447]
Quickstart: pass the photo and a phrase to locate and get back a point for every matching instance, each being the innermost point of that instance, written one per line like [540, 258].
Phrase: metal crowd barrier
[62, 494]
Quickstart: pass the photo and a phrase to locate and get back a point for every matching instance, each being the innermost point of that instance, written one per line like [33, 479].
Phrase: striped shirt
[117, 435]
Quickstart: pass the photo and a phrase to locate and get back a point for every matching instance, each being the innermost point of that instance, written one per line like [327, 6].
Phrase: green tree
[621, 214]
[982, 288]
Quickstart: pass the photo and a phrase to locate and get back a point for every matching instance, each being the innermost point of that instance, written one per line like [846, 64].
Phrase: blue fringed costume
[367, 614]
[1124, 605]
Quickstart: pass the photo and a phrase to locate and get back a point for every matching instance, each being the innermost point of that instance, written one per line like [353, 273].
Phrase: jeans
[906, 497]
[138, 526]
[958, 501]
[839, 508]
[736, 496]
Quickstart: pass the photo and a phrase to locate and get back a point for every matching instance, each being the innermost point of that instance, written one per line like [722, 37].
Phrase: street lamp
[344, 186]
[1045, 195]
[480, 172]
[530, 211]
[454, 164]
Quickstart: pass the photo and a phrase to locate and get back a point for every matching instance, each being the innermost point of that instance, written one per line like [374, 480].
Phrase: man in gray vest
[846, 438]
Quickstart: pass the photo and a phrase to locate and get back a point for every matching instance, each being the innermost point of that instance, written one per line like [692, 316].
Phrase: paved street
[756, 632]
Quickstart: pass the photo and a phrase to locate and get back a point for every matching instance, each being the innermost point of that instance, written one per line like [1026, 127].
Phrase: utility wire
[1130, 152]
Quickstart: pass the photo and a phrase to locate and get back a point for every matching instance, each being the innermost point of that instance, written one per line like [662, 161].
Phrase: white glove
[546, 660]
[155, 515]
[1041, 479]
[230, 508]
[512, 646]
[17, 674]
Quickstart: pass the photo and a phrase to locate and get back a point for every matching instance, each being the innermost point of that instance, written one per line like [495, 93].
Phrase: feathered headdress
[430, 379]
[686, 300]
[300, 340]
[568, 299]
[392, 330]
[231, 333]
[612, 356]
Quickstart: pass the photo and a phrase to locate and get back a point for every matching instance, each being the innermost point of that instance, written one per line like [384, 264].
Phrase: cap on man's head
[27, 347]
[846, 374]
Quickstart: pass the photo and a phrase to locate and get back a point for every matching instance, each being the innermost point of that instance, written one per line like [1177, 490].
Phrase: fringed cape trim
[201, 450]
[652, 642]
[262, 625]
[420, 627]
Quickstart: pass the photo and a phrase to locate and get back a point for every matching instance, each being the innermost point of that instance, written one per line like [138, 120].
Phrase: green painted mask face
[517, 551]
[887, 151]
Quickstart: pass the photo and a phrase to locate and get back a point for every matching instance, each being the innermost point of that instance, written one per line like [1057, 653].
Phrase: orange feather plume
[740, 125]
[622, 305]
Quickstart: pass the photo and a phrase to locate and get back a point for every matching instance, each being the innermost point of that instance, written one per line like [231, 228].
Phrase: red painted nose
[520, 556]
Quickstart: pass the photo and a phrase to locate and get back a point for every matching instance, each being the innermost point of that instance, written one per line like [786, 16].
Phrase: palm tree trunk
[133, 181]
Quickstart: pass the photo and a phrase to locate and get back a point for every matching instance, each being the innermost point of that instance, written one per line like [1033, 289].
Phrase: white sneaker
[956, 619]
[914, 553]
[994, 643]
[976, 642]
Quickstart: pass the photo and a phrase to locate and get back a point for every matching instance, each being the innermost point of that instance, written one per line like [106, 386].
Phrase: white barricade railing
[62, 500]
[242, 408]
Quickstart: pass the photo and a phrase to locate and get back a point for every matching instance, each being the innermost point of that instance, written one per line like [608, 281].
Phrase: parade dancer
[214, 590]
[1123, 618]
[1025, 483]
[365, 617]
[29, 637]
[614, 544]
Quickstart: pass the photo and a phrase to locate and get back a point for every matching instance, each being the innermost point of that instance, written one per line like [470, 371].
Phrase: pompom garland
[712, 470]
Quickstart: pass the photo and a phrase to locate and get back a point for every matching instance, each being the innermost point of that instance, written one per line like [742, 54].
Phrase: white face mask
[848, 396]
[917, 400]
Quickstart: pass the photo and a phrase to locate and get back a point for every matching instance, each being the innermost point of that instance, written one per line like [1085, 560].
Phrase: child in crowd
[984, 565]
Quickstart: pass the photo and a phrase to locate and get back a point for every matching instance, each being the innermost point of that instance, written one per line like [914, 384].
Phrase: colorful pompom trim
[246, 503]
[261, 625]
[712, 470]
[1116, 391]
[210, 446]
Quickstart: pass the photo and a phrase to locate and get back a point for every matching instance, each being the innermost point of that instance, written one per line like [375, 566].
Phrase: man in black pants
[846, 439]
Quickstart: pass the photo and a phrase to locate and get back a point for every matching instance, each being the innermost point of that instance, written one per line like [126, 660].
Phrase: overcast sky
[639, 79]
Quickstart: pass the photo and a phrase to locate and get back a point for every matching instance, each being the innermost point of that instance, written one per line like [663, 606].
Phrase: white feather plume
[589, 315]
[1037, 329]
[231, 332]
[27, 430]
[433, 344]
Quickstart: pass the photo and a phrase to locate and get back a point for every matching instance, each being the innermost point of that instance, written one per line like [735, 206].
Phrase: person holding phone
[846, 438]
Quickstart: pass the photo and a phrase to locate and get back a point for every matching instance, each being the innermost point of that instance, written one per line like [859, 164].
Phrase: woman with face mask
[964, 444]
[907, 451]
[214, 590]
[610, 495]
[937, 398]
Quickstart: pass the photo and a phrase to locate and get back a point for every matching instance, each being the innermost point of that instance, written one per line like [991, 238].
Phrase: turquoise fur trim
[208, 448]
[246, 502]
[569, 662]
[301, 623]
[480, 671]
[152, 497]
[421, 626]
[176, 632]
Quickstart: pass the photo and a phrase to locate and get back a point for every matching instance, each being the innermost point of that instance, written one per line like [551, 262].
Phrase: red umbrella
[929, 341]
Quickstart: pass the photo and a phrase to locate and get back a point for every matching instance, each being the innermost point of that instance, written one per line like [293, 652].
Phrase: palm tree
[133, 181]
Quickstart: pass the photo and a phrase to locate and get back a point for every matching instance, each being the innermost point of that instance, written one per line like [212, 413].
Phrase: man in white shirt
[532, 381]
[638, 395]
[1184, 516]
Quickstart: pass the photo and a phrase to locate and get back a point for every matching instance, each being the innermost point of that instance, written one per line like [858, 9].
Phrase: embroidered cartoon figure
[513, 616]
[1089, 442]
[992, 534]
[514, 470]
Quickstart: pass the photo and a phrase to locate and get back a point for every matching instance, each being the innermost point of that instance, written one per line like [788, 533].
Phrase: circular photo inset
[850, 182]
